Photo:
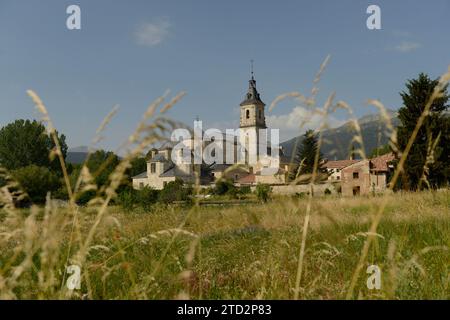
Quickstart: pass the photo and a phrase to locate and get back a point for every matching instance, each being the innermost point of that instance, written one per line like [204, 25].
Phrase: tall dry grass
[112, 249]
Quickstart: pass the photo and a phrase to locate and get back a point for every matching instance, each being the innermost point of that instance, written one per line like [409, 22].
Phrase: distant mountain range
[337, 141]
[77, 155]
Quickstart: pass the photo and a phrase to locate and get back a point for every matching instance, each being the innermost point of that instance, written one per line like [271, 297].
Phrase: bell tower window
[247, 114]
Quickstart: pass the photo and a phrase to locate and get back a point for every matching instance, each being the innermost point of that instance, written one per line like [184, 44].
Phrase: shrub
[36, 182]
[263, 191]
[207, 190]
[81, 198]
[127, 200]
[224, 187]
[146, 197]
[85, 197]
[300, 195]
[245, 190]
[175, 191]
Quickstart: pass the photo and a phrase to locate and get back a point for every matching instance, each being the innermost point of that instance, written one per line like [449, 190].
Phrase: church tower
[252, 120]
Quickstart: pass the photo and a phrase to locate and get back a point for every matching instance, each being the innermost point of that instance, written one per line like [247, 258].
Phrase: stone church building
[255, 160]
[258, 162]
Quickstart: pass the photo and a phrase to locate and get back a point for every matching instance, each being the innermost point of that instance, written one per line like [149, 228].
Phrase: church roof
[252, 96]
[158, 158]
[171, 172]
[168, 173]
[140, 175]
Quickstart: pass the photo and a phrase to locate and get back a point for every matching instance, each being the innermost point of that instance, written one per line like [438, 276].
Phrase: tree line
[26, 149]
[25, 152]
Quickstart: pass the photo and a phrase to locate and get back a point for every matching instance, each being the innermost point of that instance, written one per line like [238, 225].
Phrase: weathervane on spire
[251, 64]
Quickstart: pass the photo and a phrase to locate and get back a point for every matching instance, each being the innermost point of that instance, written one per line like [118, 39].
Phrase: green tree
[127, 199]
[435, 129]
[25, 142]
[175, 191]
[306, 154]
[147, 197]
[138, 165]
[36, 182]
[101, 164]
[381, 150]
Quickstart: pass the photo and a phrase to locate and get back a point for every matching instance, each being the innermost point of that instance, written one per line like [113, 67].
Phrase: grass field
[306, 248]
[236, 252]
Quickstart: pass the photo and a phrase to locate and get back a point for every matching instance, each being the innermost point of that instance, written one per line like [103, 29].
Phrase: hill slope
[77, 155]
[337, 141]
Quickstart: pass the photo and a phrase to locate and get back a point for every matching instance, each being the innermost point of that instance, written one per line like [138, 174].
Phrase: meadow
[236, 252]
[308, 247]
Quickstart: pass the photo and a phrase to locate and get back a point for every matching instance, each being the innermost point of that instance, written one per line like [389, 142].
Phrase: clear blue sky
[130, 52]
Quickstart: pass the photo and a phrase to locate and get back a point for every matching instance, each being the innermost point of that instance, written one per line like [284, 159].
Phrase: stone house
[161, 170]
[367, 176]
[228, 172]
[334, 168]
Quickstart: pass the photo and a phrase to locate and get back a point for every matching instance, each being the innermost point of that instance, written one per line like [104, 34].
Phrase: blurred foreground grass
[236, 252]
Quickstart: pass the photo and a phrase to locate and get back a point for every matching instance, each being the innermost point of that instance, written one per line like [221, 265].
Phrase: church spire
[252, 96]
[251, 62]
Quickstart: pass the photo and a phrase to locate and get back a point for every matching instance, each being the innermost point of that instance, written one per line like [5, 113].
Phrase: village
[248, 159]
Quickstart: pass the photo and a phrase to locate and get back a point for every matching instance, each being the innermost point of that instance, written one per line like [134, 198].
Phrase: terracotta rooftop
[381, 163]
[338, 164]
[248, 179]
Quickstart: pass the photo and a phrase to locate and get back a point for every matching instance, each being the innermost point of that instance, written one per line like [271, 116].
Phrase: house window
[355, 175]
[247, 114]
[260, 113]
[141, 185]
[338, 178]
[337, 170]
[152, 167]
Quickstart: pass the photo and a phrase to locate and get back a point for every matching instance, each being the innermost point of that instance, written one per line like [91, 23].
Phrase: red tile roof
[381, 163]
[338, 164]
[248, 179]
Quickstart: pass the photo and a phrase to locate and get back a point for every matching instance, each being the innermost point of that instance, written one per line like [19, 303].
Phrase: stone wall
[318, 189]
[272, 179]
